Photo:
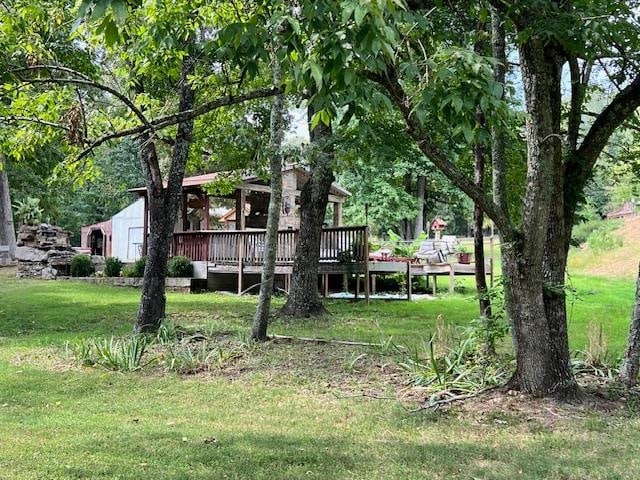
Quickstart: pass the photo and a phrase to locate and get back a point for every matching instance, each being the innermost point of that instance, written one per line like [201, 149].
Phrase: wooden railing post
[240, 262]
[366, 264]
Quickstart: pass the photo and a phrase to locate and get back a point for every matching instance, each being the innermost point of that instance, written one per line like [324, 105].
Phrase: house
[120, 236]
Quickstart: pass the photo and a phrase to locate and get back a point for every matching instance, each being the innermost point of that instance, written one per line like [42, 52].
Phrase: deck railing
[229, 247]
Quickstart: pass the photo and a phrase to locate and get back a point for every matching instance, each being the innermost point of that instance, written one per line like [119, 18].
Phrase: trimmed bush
[180, 267]
[112, 267]
[81, 266]
[128, 271]
[135, 269]
[139, 266]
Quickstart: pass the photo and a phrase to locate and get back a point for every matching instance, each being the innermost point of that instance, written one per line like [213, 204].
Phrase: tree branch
[620, 109]
[174, 118]
[81, 80]
[416, 131]
[18, 118]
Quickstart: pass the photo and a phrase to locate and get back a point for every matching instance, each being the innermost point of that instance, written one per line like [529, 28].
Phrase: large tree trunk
[7, 230]
[304, 300]
[534, 268]
[421, 186]
[261, 318]
[631, 361]
[163, 208]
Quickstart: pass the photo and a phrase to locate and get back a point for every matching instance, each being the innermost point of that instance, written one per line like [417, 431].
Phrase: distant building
[121, 236]
[628, 209]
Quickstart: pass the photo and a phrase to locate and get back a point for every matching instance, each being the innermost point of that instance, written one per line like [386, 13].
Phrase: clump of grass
[595, 359]
[458, 370]
[189, 359]
[120, 354]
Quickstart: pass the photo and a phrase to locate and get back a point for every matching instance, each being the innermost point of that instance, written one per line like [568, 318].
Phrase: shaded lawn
[91, 424]
[65, 424]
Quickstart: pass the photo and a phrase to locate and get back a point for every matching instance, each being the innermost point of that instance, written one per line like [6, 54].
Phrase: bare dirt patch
[599, 397]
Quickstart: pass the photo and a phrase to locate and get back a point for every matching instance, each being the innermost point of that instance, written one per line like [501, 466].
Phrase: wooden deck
[343, 250]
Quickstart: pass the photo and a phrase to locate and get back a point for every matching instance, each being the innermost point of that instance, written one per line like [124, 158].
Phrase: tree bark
[261, 318]
[535, 266]
[407, 233]
[630, 363]
[420, 193]
[498, 160]
[478, 248]
[163, 208]
[7, 230]
[304, 299]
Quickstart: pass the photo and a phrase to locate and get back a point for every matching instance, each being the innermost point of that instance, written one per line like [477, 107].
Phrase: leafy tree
[156, 57]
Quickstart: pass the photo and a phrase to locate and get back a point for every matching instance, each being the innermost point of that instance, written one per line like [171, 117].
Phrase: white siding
[127, 226]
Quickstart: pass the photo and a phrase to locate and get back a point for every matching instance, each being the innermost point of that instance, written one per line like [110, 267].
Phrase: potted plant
[464, 255]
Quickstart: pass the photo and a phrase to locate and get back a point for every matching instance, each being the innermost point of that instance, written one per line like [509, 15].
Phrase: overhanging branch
[431, 151]
[175, 118]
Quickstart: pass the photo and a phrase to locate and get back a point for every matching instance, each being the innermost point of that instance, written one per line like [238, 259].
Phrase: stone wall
[43, 251]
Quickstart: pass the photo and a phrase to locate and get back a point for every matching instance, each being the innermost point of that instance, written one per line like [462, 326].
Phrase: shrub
[582, 231]
[602, 240]
[135, 269]
[180, 267]
[128, 270]
[112, 267]
[81, 266]
[139, 266]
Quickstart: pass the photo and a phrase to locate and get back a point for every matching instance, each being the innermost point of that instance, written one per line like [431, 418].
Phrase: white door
[134, 244]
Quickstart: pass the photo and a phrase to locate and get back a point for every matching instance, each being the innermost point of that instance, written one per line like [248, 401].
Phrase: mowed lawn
[277, 420]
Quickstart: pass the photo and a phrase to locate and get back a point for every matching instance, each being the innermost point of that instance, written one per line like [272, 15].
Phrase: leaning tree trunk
[7, 231]
[631, 361]
[163, 208]
[261, 319]
[304, 299]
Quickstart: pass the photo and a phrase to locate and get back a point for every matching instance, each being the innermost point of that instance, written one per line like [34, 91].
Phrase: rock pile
[43, 251]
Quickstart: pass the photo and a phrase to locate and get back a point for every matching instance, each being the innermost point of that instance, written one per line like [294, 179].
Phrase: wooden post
[366, 263]
[240, 219]
[409, 286]
[373, 283]
[206, 211]
[452, 279]
[185, 221]
[435, 284]
[337, 214]
[145, 228]
[240, 262]
[326, 285]
[357, 285]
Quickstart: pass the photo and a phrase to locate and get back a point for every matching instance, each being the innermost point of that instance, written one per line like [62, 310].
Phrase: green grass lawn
[290, 412]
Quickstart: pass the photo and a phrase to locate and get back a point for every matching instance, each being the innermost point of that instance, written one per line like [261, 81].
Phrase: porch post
[145, 228]
[185, 221]
[206, 211]
[337, 214]
[241, 200]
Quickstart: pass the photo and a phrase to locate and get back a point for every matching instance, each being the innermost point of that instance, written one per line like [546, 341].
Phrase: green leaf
[359, 15]
[111, 33]
[120, 10]
[316, 73]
